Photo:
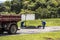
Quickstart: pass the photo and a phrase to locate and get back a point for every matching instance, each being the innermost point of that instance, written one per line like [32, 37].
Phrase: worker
[22, 24]
[43, 24]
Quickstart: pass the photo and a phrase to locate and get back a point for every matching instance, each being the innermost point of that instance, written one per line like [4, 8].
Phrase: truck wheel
[12, 29]
[1, 31]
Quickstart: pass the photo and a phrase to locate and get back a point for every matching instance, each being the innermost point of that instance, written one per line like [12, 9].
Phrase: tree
[2, 9]
[16, 6]
[44, 8]
[43, 12]
[7, 5]
[58, 12]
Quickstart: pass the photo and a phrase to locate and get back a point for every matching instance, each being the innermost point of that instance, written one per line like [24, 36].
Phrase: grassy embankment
[49, 22]
[41, 36]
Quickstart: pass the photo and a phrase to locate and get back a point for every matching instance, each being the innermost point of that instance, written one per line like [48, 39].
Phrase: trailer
[8, 23]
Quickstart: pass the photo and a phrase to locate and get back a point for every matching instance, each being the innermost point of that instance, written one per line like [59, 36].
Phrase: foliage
[43, 8]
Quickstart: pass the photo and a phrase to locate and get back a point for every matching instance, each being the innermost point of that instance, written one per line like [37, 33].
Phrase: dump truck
[8, 23]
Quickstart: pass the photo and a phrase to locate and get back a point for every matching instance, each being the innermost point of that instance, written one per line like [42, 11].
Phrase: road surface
[35, 31]
[40, 30]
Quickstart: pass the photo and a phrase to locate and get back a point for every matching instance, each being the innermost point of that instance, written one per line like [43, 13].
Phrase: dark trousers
[44, 26]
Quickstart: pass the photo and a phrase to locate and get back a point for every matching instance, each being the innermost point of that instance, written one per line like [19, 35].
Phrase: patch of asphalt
[40, 30]
[34, 31]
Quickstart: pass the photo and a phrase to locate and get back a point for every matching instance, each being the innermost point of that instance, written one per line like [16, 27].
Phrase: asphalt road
[40, 30]
[35, 31]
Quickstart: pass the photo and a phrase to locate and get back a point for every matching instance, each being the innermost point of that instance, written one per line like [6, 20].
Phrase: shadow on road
[31, 27]
[6, 34]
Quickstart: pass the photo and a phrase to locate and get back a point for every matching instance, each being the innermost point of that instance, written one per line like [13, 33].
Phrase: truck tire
[12, 29]
[1, 31]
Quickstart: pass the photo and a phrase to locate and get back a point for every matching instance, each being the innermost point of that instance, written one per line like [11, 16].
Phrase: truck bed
[9, 17]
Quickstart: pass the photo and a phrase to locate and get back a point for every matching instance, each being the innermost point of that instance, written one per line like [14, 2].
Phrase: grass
[41, 36]
[53, 22]
[49, 22]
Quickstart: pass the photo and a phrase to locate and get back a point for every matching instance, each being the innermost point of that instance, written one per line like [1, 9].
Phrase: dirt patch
[57, 38]
[47, 38]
